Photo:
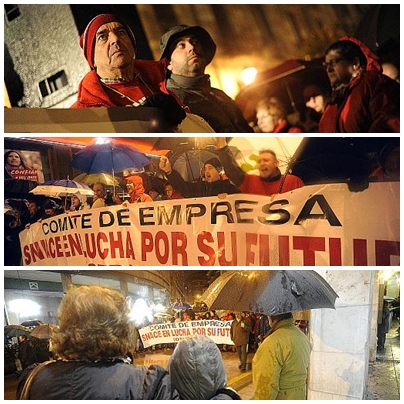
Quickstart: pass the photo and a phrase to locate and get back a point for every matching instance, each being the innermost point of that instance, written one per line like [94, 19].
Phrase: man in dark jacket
[117, 78]
[212, 186]
[240, 335]
[189, 50]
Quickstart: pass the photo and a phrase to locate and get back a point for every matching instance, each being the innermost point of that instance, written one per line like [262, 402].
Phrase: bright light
[387, 274]
[102, 140]
[24, 307]
[248, 75]
[140, 313]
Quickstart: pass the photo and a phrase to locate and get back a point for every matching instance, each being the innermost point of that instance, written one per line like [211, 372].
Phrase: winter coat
[197, 371]
[370, 105]
[253, 184]
[281, 363]
[202, 188]
[286, 127]
[240, 331]
[100, 381]
[92, 93]
[212, 104]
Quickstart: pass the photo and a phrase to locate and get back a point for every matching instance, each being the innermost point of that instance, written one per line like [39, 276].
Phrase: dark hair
[268, 151]
[349, 51]
[283, 316]
[22, 159]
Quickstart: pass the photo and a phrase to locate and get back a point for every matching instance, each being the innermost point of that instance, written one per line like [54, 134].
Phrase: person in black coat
[213, 185]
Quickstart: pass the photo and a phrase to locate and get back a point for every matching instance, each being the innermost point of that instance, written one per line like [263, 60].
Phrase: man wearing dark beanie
[213, 185]
[117, 78]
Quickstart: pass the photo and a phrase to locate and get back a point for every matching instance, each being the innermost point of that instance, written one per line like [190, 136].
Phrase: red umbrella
[285, 82]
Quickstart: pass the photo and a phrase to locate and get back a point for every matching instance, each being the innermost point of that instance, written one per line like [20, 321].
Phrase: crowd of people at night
[360, 98]
[93, 346]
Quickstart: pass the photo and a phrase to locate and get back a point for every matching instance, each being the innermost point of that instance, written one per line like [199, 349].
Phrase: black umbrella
[31, 323]
[285, 82]
[16, 330]
[270, 292]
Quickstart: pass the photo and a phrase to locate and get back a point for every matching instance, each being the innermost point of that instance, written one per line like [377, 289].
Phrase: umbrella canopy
[90, 179]
[16, 330]
[108, 158]
[190, 164]
[43, 331]
[284, 148]
[270, 292]
[285, 82]
[181, 306]
[55, 190]
[32, 323]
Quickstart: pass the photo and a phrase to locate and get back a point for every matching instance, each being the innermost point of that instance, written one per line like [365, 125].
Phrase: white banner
[324, 225]
[167, 333]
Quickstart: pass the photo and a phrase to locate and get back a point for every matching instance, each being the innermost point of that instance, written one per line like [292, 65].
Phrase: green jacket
[281, 363]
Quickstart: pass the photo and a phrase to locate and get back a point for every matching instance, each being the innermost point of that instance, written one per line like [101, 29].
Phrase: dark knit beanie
[87, 39]
[215, 163]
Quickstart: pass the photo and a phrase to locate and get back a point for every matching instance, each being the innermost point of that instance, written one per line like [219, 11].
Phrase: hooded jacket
[77, 380]
[253, 184]
[281, 363]
[197, 370]
[138, 195]
[371, 103]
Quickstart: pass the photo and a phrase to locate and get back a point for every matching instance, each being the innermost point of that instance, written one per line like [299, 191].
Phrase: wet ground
[383, 382]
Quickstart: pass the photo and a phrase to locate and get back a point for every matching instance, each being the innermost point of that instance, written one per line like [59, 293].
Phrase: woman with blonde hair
[90, 344]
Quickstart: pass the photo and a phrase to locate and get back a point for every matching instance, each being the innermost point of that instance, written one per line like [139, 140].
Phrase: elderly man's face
[113, 49]
[98, 191]
[267, 164]
[187, 57]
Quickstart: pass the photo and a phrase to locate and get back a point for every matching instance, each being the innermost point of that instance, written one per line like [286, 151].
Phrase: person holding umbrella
[117, 78]
[281, 363]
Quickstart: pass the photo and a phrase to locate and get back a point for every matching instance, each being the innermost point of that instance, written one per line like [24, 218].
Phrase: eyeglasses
[332, 62]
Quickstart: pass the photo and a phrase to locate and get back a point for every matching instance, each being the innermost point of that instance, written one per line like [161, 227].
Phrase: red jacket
[285, 127]
[372, 103]
[93, 94]
[253, 184]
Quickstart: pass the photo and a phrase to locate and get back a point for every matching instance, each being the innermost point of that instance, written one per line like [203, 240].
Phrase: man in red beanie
[116, 78]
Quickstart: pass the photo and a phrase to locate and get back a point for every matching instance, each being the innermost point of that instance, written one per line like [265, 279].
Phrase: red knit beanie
[87, 39]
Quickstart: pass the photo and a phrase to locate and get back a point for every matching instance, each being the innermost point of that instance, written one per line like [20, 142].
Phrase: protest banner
[168, 333]
[324, 225]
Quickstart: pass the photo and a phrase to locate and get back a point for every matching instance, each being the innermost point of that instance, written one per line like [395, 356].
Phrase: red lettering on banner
[264, 249]
[251, 240]
[222, 248]
[284, 254]
[103, 253]
[335, 252]
[162, 247]
[360, 253]
[146, 244]
[384, 250]
[205, 249]
[309, 245]
[180, 243]
[116, 243]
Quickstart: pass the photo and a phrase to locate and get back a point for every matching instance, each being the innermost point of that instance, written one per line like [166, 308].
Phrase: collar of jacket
[192, 83]
[274, 177]
[283, 323]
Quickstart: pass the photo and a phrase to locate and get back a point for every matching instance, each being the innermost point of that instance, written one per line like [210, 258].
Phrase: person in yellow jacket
[281, 363]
